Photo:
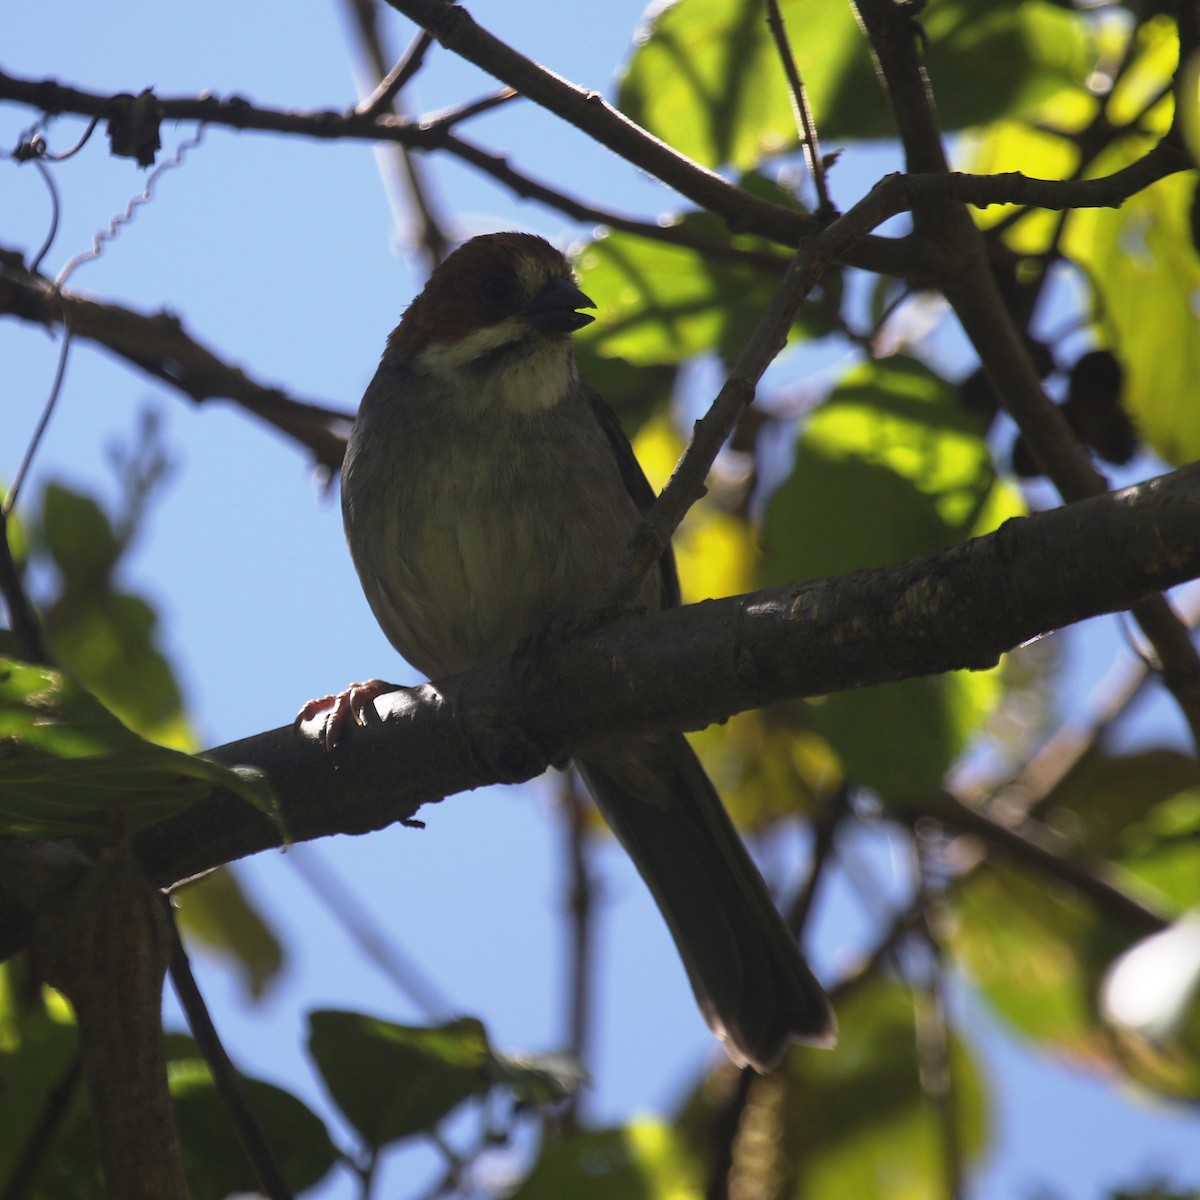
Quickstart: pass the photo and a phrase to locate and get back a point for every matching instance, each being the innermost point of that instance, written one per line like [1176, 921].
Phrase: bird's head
[495, 316]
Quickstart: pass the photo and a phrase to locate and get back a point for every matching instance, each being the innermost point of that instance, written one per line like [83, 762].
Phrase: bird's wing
[638, 487]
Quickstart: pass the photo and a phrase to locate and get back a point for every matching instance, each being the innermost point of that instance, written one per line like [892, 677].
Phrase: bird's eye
[499, 288]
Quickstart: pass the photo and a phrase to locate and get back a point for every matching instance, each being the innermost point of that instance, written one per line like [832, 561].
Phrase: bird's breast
[469, 535]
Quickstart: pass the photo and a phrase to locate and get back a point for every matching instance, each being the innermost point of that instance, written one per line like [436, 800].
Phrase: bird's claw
[324, 718]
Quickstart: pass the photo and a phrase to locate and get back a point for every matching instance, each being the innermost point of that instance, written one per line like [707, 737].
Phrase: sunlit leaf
[1145, 269]
[889, 468]
[68, 766]
[716, 553]
[706, 76]
[1189, 104]
[663, 303]
[1041, 149]
[1141, 96]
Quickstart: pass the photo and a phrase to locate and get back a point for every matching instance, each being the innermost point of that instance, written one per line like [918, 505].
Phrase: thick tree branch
[682, 669]
[158, 345]
[689, 667]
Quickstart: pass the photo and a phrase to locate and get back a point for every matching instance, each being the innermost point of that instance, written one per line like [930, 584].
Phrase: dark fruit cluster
[1093, 410]
[1092, 407]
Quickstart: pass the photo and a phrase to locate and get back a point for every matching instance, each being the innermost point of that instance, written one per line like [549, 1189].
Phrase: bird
[486, 490]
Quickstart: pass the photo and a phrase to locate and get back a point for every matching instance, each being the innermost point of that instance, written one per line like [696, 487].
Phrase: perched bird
[486, 488]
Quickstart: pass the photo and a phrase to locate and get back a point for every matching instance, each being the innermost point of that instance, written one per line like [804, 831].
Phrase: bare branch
[804, 119]
[408, 172]
[158, 345]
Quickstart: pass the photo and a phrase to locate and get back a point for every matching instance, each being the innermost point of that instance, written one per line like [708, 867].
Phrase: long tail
[751, 981]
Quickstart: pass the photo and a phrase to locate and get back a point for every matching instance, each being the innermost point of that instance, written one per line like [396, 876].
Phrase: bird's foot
[324, 718]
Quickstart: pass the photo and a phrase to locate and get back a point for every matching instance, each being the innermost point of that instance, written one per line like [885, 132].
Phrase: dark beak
[553, 309]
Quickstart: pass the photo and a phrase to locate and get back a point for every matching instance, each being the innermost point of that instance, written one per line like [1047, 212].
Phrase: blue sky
[283, 257]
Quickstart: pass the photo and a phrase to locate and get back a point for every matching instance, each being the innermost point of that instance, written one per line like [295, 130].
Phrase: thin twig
[390, 86]
[411, 174]
[450, 117]
[22, 618]
[824, 828]
[224, 1074]
[935, 1065]
[1036, 845]
[768, 338]
[580, 906]
[803, 111]
[39, 431]
[742, 211]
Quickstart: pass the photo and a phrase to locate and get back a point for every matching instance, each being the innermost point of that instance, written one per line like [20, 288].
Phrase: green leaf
[216, 912]
[986, 59]
[79, 537]
[68, 766]
[105, 637]
[641, 1161]
[889, 468]
[853, 1122]
[1037, 950]
[860, 1123]
[1146, 272]
[37, 1048]
[705, 75]
[393, 1081]
[108, 640]
[664, 303]
[214, 1160]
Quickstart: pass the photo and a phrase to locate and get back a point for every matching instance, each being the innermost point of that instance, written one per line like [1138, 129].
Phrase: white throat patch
[532, 376]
